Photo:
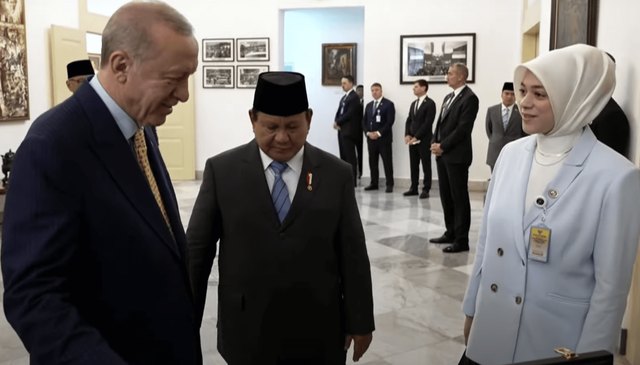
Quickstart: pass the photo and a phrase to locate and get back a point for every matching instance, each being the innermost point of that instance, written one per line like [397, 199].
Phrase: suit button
[494, 288]
[500, 252]
[518, 300]
[282, 236]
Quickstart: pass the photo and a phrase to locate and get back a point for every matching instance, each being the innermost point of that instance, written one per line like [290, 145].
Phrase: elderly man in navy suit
[94, 252]
[379, 116]
[295, 278]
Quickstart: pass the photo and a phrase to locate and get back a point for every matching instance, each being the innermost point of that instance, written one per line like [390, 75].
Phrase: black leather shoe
[455, 248]
[389, 189]
[424, 194]
[441, 239]
[410, 193]
[371, 187]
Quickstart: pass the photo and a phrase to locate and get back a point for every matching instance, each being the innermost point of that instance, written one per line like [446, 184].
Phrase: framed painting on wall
[217, 77]
[14, 81]
[428, 57]
[248, 76]
[95, 61]
[338, 60]
[252, 49]
[572, 22]
[217, 50]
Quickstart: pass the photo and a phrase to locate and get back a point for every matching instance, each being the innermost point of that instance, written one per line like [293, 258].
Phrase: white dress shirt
[509, 113]
[291, 175]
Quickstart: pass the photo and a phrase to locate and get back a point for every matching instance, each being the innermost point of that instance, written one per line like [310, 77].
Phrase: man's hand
[336, 126]
[468, 321]
[413, 141]
[374, 135]
[436, 150]
[407, 139]
[362, 343]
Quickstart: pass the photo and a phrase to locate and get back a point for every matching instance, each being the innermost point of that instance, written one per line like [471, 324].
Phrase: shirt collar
[378, 100]
[457, 91]
[508, 107]
[126, 124]
[421, 99]
[349, 92]
[295, 163]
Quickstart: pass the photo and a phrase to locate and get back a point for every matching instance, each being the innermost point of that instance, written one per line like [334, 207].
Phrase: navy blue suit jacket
[387, 112]
[92, 274]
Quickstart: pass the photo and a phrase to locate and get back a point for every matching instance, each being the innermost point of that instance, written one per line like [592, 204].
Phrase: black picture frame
[573, 22]
[339, 60]
[429, 56]
[218, 50]
[247, 75]
[252, 49]
[218, 77]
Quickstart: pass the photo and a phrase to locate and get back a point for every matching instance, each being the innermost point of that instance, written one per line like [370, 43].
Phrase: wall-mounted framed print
[247, 76]
[252, 49]
[14, 81]
[338, 60]
[217, 50]
[429, 56]
[95, 61]
[217, 77]
[573, 21]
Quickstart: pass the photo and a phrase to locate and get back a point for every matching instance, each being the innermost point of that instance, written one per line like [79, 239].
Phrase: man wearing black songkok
[295, 279]
[77, 72]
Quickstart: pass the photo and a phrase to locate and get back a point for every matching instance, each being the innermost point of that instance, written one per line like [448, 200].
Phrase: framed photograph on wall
[217, 77]
[247, 76]
[217, 50]
[252, 49]
[429, 56]
[338, 60]
[573, 21]
[14, 80]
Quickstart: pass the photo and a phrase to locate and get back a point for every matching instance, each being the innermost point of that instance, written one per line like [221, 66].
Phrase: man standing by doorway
[348, 122]
[504, 124]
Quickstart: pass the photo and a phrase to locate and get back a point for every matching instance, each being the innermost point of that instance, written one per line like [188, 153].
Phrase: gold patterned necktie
[141, 152]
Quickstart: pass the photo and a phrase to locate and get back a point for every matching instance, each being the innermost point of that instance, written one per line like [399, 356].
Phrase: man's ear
[120, 64]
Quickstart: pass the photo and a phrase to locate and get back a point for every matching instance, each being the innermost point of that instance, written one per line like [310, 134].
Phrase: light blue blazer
[522, 308]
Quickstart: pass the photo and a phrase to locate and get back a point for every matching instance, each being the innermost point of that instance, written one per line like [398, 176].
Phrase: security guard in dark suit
[379, 116]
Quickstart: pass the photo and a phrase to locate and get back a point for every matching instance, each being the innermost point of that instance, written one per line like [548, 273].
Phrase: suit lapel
[514, 111]
[522, 171]
[571, 168]
[163, 180]
[255, 183]
[114, 151]
[303, 194]
[455, 100]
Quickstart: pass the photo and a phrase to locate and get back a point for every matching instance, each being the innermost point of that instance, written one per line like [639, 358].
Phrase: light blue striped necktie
[505, 118]
[280, 193]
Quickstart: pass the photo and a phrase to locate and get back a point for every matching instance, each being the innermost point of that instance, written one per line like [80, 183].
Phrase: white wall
[304, 51]
[221, 115]
[39, 15]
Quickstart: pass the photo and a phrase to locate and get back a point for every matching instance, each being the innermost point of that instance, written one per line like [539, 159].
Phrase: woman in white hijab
[561, 222]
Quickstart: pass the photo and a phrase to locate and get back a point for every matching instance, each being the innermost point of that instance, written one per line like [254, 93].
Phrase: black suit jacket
[454, 128]
[92, 274]
[349, 115]
[387, 112]
[289, 290]
[420, 124]
[611, 127]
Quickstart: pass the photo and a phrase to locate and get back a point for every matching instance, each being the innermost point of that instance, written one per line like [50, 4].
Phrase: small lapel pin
[309, 181]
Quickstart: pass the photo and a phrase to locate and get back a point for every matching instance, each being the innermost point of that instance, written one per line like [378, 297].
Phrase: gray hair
[129, 28]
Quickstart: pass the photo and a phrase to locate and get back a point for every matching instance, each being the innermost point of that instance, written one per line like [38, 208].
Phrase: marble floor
[417, 289]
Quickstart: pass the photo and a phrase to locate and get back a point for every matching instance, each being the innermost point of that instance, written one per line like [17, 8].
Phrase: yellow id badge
[539, 240]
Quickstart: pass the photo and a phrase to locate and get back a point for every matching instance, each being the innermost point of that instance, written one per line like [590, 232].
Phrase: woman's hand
[467, 328]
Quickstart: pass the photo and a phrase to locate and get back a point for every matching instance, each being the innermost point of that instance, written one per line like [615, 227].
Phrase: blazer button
[518, 300]
[494, 288]
[282, 236]
[500, 252]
